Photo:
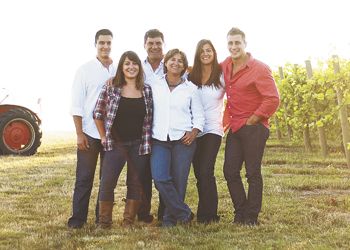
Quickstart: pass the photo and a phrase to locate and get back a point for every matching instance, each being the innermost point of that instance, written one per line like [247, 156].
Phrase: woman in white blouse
[206, 74]
[177, 120]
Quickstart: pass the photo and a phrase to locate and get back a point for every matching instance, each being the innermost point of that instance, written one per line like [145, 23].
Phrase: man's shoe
[75, 226]
[205, 221]
[252, 222]
[239, 219]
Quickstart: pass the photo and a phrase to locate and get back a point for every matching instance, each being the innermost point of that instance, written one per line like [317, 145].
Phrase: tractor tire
[20, 133]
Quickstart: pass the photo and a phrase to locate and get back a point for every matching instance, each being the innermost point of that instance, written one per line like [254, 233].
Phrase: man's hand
[253, 119]
[82, 142]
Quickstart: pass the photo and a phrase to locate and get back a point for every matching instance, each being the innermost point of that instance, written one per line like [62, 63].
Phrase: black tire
[20, 133]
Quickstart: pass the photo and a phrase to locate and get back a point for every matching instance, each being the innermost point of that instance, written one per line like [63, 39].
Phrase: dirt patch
[325, 192]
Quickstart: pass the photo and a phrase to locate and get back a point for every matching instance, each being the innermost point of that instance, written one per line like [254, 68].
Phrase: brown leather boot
[105, 214]
[131, 209]
[143, 213]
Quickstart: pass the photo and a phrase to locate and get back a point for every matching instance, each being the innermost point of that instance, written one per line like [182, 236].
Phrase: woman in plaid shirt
[123, 116]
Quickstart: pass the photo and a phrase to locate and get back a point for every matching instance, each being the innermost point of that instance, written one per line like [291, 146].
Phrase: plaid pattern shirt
[106, 109]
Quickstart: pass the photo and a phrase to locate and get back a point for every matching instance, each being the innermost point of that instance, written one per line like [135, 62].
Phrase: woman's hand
[189, 136]
[103, 141]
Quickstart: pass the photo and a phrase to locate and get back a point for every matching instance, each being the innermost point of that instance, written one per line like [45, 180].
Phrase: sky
[43, 42]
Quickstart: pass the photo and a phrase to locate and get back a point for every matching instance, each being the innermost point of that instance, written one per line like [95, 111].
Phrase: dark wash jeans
[138, 171]
[203, 164]
[245, 145]
[85, 172]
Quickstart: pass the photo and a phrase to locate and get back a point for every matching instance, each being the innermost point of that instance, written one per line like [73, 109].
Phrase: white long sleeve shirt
[176, 111]
[87, 85]
[213, 104]
[150, 74]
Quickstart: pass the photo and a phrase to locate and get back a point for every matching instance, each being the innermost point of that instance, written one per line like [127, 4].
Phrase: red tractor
[20, 132]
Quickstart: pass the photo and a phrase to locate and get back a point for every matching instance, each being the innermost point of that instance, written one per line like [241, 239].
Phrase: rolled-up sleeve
[267, 88]
[78, 94]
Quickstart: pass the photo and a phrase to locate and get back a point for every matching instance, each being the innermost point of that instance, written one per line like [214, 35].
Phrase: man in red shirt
[252, 97]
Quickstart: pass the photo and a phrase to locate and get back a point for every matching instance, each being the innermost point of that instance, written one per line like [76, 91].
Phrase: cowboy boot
[143, 213]
[131, 209]
[105, 214]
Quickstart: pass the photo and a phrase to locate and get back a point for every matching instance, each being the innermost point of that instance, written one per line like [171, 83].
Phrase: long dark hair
[196, 74]
[119, 79]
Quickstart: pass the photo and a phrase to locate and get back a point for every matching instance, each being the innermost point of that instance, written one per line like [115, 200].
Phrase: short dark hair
[173, 52]
[103, 32]
[152, 34]
[235, 31]
[119, 79]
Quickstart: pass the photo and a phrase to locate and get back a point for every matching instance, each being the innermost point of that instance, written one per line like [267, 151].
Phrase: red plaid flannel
[106, 109]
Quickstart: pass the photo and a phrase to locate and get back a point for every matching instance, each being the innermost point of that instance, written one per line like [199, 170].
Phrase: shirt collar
[249, 63]
[250, 60]
[100, 63]
[147, 62]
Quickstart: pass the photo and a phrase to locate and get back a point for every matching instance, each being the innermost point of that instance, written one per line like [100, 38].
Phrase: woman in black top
[123, 116]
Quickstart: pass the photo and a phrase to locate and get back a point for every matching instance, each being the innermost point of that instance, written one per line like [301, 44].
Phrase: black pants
[245, 145]
[203, 163]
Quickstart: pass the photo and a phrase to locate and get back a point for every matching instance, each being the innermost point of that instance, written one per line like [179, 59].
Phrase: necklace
[173, 85]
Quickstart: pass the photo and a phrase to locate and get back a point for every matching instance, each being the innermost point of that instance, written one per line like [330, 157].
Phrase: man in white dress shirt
[153, 67]
[88, 82]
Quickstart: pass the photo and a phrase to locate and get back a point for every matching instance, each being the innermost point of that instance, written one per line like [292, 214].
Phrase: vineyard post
[320, 129]
[342, 113]
[289, 128]
[306, 129]
[278, 130]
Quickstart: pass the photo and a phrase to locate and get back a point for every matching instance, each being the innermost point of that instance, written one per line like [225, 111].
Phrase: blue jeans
[170, 165]
[113, 163]
[85, 172]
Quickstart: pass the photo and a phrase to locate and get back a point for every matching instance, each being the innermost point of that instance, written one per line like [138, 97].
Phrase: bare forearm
[100, 127]
[78, 122]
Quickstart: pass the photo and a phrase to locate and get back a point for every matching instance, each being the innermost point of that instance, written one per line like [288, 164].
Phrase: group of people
[159, 116]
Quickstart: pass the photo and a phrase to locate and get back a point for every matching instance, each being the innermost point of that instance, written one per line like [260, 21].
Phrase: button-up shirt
[86, 88]
[176, 111]
[150, 74]
[107, 107]
[252, 90]
[213, 102]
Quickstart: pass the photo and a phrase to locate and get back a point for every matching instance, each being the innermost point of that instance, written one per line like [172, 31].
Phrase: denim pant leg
[181, 158]
[254, 139]
[233, 162]
[161, 173]
[113, 163]
[85, 172]
[102, 153]
[138, 174]
[203, 164]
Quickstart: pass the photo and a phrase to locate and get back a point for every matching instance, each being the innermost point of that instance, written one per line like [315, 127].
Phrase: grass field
[306, 205]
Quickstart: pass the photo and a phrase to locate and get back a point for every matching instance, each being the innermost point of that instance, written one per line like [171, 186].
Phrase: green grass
[306, 205]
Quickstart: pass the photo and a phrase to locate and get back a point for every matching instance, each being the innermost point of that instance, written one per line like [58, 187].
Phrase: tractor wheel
[20, 133]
